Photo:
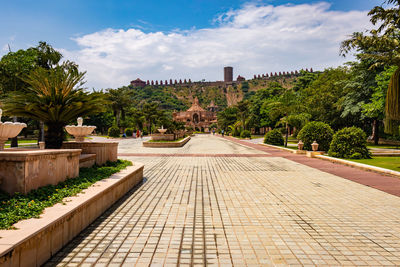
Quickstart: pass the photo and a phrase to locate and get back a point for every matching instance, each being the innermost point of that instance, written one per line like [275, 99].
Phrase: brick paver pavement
[240, 211]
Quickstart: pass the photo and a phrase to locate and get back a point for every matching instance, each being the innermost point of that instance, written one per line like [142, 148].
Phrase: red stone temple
[196, 117]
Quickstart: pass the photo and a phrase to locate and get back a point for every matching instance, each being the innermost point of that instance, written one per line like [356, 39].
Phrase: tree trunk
[41, 132]
[54, 135]
[375, 131]
[14, 141]
[287, 134]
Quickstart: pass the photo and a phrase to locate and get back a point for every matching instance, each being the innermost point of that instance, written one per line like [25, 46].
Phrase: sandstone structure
[138, 83]
[196, 117]
[228, 74]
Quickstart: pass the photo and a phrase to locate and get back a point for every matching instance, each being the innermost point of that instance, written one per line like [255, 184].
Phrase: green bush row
[348, 142]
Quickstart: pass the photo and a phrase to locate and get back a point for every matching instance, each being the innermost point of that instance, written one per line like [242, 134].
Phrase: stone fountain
[80, 131]
[102, 151]
[162, 136]
[162, 130]
[22, 169]
[9, 130]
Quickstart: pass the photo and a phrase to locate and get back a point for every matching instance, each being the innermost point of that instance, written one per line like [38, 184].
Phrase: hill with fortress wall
[224, 93]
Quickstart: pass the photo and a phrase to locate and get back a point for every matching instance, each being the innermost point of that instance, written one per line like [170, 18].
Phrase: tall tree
[151, 113]
[243, 108]
[382, 45]
[120, 100]
[286, 105]
[14, 66]
[56, 97]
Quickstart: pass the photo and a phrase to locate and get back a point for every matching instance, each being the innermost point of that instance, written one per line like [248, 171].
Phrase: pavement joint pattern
[240, 211]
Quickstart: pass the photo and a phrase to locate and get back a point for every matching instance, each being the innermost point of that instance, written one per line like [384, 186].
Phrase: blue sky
[72, 25]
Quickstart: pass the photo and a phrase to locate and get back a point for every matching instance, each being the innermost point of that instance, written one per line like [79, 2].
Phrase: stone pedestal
[105, 151]
[165, 137]
[312, 154]
[25, 170]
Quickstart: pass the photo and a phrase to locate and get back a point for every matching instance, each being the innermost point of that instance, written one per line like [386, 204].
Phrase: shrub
[316, 131]
[113, 131]
[129, 132]
[245, 134]
[274, 137]
[295, 133]
[236, 132]
[349, 143]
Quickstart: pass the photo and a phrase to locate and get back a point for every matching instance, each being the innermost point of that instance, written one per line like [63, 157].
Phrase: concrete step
[87, 160]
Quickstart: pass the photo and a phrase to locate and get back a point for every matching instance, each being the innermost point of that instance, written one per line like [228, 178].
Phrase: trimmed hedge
[349, 143]
[113, 131]
[316, 131]
[245, 134]
[274, 137]
[129, 132]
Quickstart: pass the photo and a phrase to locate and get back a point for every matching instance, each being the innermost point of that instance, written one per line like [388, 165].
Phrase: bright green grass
[391, 163]
[384, 146]
[24, 141]
[22, 145]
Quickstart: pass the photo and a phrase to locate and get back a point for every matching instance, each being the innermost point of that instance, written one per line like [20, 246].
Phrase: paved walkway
[385, 183]
[258, 210]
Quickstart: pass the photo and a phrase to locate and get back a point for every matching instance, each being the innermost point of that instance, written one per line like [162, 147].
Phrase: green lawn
[24, 141]
[391, 163]
[384, 146]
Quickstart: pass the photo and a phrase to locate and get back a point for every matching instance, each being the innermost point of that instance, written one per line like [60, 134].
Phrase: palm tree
[243, 112]
[54, 96]
[286, 105]
[120, 100]
[151, 113]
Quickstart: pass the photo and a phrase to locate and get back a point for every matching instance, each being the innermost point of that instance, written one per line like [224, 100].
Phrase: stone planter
[314, 146]
[25, 170]
[166, 137]
[300, 145]
[105, 151]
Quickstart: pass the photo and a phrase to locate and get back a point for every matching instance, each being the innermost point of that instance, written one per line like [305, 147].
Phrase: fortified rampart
[228, 79]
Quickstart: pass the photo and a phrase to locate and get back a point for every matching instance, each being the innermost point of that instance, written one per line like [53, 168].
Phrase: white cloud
[254, 39]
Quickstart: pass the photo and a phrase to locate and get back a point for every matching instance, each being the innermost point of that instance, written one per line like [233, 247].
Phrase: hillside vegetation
[180, 97]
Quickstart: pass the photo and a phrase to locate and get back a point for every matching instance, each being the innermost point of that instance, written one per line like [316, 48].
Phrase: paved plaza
[207, 206]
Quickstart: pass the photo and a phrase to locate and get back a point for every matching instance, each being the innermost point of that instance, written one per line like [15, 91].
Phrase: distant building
[196, 117]
[138, 83]
[228, 74]
[212, 107]
[240, 79]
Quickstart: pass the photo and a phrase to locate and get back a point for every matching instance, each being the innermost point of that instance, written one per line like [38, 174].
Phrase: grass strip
[19, 207]
[391, 163]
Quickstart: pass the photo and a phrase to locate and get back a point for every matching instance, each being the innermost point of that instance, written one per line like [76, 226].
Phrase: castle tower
[228, 74]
